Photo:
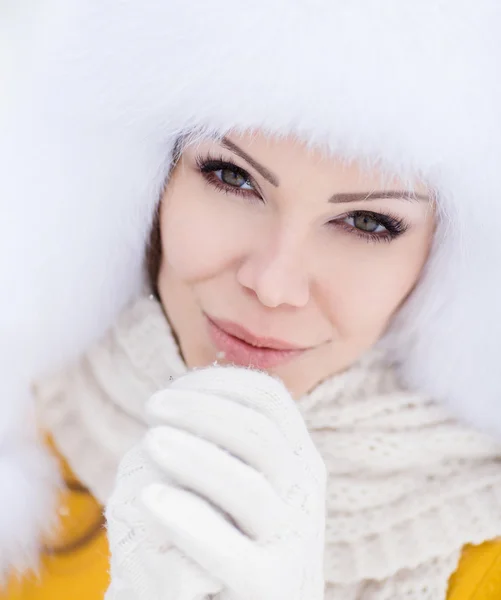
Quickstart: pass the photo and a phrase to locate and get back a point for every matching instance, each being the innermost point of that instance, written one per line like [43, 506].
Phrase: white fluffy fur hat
[97, 93]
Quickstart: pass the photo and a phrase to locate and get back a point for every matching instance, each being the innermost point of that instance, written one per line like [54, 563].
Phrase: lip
[243, 334]
[244, 348]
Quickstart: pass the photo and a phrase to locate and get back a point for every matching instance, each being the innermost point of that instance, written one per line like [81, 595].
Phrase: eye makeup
[229, 178]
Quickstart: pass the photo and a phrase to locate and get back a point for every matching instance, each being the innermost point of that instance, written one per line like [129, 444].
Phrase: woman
[314, 189]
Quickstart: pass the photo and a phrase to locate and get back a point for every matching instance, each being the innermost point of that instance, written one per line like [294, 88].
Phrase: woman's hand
[144, 563]
[240, 490]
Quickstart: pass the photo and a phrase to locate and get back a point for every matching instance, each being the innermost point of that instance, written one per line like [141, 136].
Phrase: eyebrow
[340, 198]
[383, 195]
[266, 173]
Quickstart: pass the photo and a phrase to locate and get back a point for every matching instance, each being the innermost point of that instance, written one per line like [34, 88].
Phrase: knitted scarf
[408, 485]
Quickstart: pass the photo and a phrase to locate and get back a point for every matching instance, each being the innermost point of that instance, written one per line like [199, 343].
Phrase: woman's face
[277, 257]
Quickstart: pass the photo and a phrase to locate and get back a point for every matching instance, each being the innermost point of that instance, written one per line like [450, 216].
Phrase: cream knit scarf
[408, 485]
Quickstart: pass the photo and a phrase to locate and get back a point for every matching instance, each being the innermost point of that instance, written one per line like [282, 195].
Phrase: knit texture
[408, 485]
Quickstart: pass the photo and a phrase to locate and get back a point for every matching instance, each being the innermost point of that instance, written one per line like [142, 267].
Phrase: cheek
[199, 237]
[370, 284]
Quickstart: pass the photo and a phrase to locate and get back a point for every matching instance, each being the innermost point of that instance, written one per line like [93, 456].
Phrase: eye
[365, 222]
[234, 178]
[227, 177]
[371, 226]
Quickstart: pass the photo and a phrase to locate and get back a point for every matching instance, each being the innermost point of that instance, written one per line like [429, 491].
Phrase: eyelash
[208, 166]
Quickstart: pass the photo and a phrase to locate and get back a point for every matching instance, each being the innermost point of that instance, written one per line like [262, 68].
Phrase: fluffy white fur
[87, 130]
[29, 479]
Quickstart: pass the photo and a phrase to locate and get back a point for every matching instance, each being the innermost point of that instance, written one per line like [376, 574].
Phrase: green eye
[372, 226]
[365, 222]
[233, 178]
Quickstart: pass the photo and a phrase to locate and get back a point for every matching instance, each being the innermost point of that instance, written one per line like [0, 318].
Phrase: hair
[153, 255]
[153, 258]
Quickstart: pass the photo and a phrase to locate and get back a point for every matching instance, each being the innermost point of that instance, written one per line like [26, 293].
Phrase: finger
[135, 472]
[242, 431]
[232, 486]
[254, 389]
[200, 532]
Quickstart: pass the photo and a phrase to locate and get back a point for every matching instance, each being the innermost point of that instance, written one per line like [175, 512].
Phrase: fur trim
[27, 504]
[108, 87]
[30, 479]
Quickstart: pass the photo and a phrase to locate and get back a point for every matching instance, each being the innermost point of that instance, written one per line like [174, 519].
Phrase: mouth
[241, 347]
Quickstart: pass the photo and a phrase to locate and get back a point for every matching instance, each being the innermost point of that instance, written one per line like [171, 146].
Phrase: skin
[283, 261]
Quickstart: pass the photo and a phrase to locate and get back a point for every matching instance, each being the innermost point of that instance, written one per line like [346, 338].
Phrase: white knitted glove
[144, 564]
[240, 490]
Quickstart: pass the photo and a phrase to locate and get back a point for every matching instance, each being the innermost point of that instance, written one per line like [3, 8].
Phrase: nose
[275, 271]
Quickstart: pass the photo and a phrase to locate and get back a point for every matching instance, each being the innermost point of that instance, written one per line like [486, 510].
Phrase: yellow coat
[75, 564]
